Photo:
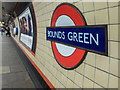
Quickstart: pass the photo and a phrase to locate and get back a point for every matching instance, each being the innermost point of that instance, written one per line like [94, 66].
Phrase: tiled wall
[96, 71]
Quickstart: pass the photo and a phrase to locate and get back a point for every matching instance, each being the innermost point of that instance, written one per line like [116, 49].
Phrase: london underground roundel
[67, 15]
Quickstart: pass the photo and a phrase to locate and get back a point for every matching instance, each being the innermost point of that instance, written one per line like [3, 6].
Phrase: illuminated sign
[28, 29]
[15, 31]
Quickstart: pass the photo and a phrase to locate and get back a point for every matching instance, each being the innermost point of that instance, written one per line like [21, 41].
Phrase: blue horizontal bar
[91, 38]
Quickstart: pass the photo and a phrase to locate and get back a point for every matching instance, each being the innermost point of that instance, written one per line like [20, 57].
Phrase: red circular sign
[77, 57]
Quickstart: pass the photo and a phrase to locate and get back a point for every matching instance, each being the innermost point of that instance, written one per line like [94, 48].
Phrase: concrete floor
[14, 74]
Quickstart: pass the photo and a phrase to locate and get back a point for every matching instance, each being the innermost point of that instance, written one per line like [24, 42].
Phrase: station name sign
[90, 38]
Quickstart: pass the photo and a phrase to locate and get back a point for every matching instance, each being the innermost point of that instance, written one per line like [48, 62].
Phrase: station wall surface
[96, 71]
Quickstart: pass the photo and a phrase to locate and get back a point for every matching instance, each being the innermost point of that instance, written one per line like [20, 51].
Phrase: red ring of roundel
[76, 57]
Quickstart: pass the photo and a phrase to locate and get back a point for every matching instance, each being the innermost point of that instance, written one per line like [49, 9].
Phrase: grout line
[102, 70]
[95, 54]
[46, 13]
[44, 20]
[89, 65]
[45, 46]
[118, 45]
[107, 56]
[83, 76]
[61, 72]
[89, 79]
[108, 42]
[45, 6]
[95, 70]
[53, 75]
[114, 40]
[56, 68]
[101, 9]
[97, 24]
[76, 71]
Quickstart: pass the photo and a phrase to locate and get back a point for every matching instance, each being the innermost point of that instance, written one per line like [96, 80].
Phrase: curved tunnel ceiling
[7, 8]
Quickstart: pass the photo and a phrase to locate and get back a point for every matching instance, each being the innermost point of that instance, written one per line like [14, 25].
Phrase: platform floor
[14, 74]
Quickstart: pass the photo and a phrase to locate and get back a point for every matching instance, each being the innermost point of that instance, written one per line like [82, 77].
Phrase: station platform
[14, 72]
